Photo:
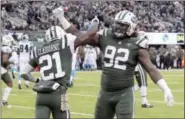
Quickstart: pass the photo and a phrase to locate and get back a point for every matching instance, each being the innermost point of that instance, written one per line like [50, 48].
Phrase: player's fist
[168, 96]
[58, 12]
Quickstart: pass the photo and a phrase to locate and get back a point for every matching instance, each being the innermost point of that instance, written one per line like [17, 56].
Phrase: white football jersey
[24, 49]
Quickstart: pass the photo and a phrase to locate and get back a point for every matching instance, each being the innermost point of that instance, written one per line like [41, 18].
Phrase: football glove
[58, 12]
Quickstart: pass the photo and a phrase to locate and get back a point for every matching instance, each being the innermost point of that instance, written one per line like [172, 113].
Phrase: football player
[55, 61]
[6, 53]
[141, 78]
[123, 48]
[24, 56]
[14, 58]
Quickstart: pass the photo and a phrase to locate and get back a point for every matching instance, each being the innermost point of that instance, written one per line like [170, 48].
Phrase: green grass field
[82, 98]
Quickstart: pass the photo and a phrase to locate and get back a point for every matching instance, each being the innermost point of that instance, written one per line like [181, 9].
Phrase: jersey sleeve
[33, 57]
[102, 36]
[70, 41]
[143, 41]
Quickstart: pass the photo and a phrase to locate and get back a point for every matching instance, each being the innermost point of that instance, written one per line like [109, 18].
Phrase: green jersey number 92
[114, 57]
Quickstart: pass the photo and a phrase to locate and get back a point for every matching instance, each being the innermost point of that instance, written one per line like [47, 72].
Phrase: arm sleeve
[33, 58]
[143, 41]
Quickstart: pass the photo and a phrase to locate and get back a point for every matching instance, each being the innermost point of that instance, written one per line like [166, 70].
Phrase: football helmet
[124, 23]
[25, 37]
[8, 40]
[54, 33]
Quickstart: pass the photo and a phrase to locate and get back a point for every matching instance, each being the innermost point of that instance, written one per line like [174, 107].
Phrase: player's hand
[58, 12]
[95, 20]
[168, 96]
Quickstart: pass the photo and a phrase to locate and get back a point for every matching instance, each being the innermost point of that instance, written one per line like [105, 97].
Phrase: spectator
[158, 16]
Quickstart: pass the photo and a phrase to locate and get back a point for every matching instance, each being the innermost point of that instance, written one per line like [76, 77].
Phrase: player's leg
[7, 79]
[42, 112]
[57, 114]
[19, 74]
[125, 106]
[27, 84]
[104, 109]
[22, 64]
[137, 76]
[13, 71]
[141, 77]
[60, 110]
[59, 105]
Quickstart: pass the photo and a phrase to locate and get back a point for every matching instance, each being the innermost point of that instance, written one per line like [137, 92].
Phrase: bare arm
[144, 59]
[154, 74]
[91, 37]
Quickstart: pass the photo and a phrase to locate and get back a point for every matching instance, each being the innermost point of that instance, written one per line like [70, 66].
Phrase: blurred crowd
[154, 16]
[167, 57]
[163, 57]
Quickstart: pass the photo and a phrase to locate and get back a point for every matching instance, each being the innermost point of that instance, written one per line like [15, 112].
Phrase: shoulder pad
[143, 40]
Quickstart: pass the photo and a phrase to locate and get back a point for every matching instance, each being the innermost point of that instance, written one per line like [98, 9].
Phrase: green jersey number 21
[51, 59]
[110, 53]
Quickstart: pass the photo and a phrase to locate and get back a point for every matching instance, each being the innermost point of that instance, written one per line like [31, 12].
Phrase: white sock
[19, 81]
[143, 91]
[26, 82]
[7, 92]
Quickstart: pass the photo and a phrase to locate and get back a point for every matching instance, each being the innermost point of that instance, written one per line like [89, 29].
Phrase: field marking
[150, 90]
[75, 113]
[99, 71]
[178, 103]
[87, 95]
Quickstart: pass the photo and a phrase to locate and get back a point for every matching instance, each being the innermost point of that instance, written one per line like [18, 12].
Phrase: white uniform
[86, 57]
[73, 68]
[92, 58]
[24, 53]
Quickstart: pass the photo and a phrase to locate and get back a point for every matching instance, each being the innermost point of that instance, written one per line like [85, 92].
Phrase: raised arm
[90, 37]
[59, 14]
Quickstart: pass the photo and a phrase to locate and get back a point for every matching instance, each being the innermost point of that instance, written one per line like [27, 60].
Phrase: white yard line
[156, 101]
[75, 113]
[86, 95]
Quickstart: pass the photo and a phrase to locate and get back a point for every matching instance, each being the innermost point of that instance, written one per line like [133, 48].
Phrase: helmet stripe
[119, 15]
[51, 34]
[55, 33]
[123, 15]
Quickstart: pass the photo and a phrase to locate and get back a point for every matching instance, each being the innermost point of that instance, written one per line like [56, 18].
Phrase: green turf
[82, 98]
